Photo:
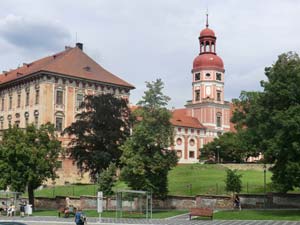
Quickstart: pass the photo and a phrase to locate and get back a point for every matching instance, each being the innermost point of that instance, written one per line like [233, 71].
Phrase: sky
[141, 41]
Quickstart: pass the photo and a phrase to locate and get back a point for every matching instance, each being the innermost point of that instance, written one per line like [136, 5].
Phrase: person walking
[80, 218]
[237, 202]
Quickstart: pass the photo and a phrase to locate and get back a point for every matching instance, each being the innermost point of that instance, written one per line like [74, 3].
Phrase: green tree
[28, 158]
[99, 130]
[107, 179]
[233, 181]
[232, 147]
[272, 120]
[146, 159]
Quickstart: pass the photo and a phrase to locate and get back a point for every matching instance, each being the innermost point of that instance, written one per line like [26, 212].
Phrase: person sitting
[3, 208]
[11, 210]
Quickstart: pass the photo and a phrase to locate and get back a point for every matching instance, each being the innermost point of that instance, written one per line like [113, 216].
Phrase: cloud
[33, 34]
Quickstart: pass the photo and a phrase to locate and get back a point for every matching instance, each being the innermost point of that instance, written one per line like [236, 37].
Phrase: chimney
[79, 45]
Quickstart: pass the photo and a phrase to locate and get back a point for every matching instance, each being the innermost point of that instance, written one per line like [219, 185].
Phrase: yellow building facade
[51, 90]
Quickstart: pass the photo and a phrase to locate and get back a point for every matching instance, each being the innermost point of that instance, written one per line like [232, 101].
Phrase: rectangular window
[27, 99]
[218, 121]
[59, 124]
[59, 97]
[197, 95]
[10, 102]
[191, 154]
[1, 125]
[19, 101]
[2, 104]
[218, 96]
[197, 76]
[79, 100]
[219, 76]
[37, 96]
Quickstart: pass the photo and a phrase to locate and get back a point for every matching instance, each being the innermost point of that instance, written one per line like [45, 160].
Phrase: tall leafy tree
[272, 120]
[146, 159]
[99, 130]
[28, 158]
[231, 147]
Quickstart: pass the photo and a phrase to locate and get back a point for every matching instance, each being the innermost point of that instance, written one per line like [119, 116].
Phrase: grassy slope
[209, 179]
[204, 179]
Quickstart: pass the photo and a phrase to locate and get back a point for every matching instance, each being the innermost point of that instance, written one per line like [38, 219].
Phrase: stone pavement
[109, 221]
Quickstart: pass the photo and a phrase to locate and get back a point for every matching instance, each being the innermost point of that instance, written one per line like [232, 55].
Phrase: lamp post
[265, 171]
[218, 153]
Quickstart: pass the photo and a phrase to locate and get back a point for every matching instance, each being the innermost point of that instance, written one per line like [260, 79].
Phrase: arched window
[179, 141]
[192, 142]
[207, 46]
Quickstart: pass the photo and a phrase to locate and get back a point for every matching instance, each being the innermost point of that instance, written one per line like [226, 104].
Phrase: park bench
[67, 212]
[205, 212]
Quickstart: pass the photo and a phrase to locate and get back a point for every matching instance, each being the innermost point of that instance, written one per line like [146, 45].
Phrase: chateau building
[51, 90]
[207, 115]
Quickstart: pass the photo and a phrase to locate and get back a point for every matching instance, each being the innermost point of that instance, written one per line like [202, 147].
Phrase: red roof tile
[72, 62]
[180, 118]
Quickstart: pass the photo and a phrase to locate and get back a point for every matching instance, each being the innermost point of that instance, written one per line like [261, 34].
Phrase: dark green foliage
[232, 148]
[107, 179]
[100, 129]
[28, 158]
[233, 181]
[146, 159]
[272, 120]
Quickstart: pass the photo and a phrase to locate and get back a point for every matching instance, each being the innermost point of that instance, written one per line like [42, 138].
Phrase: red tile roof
[180, 118]
[72, 62]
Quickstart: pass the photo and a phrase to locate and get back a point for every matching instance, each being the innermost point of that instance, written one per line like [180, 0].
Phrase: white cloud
[32, 34]
[143, 40]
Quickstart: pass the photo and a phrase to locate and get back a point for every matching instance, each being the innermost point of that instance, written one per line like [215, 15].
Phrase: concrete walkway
[108, 221]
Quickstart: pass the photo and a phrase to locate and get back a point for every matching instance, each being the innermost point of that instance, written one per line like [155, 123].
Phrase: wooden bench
[206, 212]
[66, 212]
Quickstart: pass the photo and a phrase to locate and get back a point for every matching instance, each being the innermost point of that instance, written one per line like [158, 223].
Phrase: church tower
[208, 104]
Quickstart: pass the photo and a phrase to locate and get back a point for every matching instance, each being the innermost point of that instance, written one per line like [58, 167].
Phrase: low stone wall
[215, 202]
[271, 200]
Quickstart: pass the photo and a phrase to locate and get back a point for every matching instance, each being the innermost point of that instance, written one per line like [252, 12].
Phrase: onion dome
[206, 32]
[208, 59]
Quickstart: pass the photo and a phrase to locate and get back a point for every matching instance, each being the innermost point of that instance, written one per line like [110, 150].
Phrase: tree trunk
[31, 195]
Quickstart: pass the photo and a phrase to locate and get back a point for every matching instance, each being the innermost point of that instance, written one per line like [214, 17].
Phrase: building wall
[45, 109]
[187, 143]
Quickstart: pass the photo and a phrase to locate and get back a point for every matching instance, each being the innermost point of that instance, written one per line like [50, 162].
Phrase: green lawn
[209, 179]
[112, 214]
[258, 215]
[186, 180]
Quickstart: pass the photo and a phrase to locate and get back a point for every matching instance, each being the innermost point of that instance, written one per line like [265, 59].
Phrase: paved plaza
[107, 221]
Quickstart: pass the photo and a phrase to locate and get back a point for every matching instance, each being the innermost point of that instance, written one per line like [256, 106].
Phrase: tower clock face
[208, 90]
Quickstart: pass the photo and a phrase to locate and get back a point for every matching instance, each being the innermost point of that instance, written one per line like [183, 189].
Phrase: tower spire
[207, 18]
